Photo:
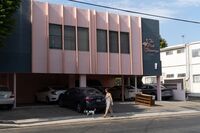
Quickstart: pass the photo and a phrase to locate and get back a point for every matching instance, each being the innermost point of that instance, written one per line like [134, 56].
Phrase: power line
[141, 13]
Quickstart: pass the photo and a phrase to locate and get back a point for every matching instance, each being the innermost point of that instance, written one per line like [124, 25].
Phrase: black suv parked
[81, 98]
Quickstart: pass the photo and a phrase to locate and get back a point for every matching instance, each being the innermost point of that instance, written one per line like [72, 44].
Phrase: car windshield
[92, 91]
[4, 89]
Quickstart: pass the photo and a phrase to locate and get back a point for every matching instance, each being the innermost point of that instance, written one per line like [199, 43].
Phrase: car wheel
[79, 108]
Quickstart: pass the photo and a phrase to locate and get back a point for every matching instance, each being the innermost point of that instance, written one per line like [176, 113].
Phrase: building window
[124, 42]
[113, 42]
[196, 78]
[181, 75]
[70, 37]
[196, 53]
[170, 75]
[101, 40]
[180, 51]
[169, 52]
[83, 39]
[55, 36]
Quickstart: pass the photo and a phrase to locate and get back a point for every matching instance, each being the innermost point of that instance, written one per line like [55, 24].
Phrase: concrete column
[71, 81]
[122, 88]
[15, 88]
[136, 84]
[82, 80]
[159, 95]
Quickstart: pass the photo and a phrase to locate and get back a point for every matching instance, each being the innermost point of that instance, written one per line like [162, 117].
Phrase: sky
[174, 32]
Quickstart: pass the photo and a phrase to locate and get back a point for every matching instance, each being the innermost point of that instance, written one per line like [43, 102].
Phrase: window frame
[196, 52]
[181, 75]
[170, 52]
[180, 51]
[195, 75]
[169, 75]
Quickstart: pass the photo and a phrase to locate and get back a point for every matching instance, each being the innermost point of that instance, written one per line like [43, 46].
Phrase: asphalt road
[183, 124]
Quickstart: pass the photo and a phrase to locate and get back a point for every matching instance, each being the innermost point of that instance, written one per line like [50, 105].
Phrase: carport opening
[28, 85]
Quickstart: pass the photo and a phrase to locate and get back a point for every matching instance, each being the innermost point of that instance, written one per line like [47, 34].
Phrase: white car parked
[129, 92]
[50, 94]
[6, 97]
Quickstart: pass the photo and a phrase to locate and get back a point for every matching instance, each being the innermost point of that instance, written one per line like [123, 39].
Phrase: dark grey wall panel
[16, 55]
[151, 47]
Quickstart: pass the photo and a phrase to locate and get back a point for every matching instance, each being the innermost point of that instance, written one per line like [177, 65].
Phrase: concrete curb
[78, 120]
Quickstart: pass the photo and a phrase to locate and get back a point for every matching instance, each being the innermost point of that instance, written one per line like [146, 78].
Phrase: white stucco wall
[182, 63]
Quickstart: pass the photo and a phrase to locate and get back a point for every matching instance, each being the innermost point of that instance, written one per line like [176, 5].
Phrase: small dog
[90, 112]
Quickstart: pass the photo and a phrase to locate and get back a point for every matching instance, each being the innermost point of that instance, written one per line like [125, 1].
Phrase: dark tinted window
[55, 36]
[83, 39]
[124, 42]
[113, 41]
[70, 38]
[101, 40]
[4, 89]
[151, 87]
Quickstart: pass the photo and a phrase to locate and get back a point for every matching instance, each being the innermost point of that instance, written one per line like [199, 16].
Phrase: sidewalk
[43, 115]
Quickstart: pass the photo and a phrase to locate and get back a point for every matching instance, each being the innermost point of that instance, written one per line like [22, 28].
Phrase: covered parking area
[25, 85]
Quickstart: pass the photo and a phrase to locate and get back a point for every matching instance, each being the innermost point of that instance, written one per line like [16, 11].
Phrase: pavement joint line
[99, 119]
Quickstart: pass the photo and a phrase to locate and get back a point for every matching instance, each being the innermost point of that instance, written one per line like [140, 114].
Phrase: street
[182, 124]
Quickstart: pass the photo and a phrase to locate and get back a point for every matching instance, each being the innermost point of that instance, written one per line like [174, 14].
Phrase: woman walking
[109, 103]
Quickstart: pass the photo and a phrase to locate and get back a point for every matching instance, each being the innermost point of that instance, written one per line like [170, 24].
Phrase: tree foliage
[163, 43]
[7, 8]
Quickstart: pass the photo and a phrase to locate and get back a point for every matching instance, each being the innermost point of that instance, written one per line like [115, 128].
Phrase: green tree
[163, 43]
[7, 8]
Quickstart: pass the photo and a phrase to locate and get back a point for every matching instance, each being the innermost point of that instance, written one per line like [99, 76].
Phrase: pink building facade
[90, 61]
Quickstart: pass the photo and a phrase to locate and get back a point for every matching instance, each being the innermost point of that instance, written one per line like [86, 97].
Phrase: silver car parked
[6, 97]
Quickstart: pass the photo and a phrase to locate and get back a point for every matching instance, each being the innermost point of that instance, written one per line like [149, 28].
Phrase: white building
[181, 64]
